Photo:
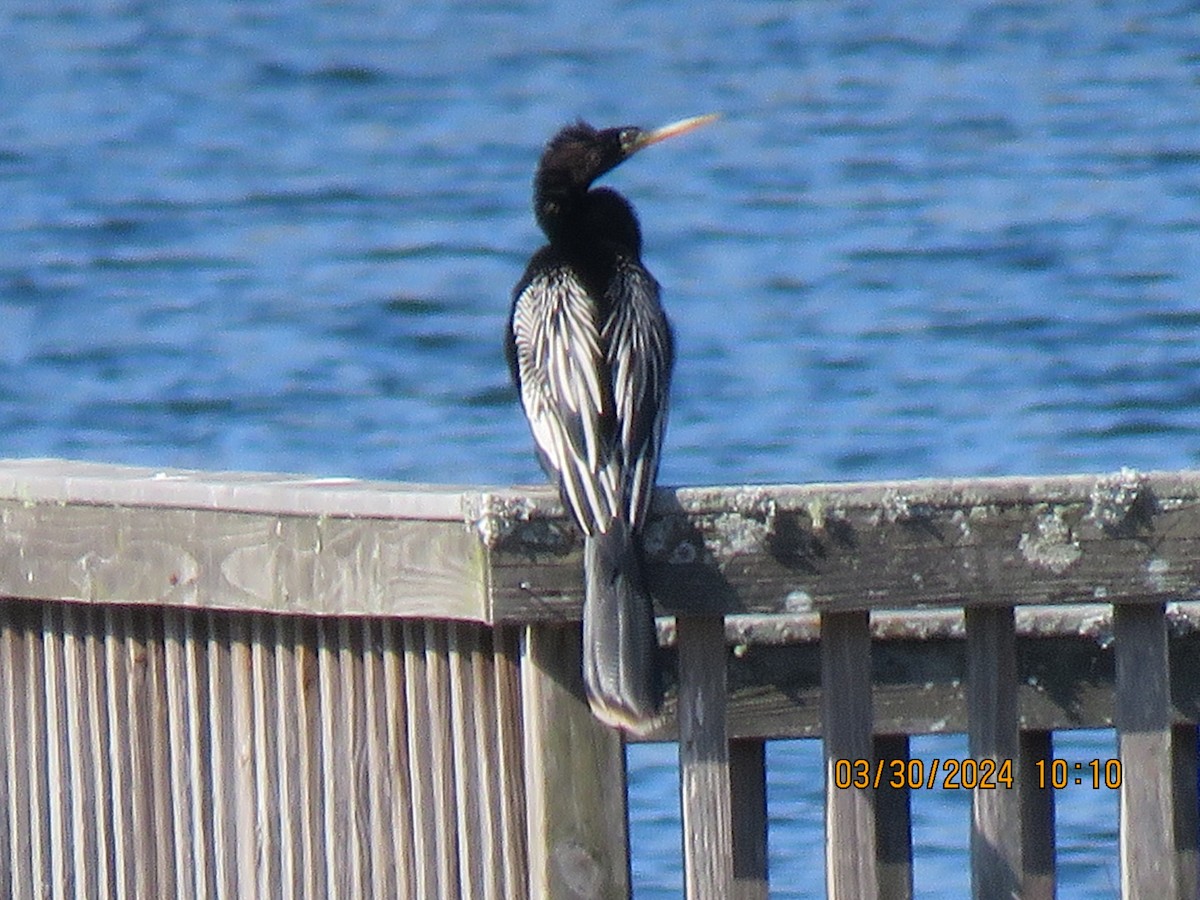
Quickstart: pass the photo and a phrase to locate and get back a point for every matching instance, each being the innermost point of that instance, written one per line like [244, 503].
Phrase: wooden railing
[224, 684]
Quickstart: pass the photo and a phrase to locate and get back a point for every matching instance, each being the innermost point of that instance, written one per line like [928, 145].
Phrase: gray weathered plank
[887, 545]
[850, 856]
[704, 782]
[1147, 845]
[1064, 682]
[281, 543]
[234, 560]
[577, 848]
[994, 737]
[68, 482]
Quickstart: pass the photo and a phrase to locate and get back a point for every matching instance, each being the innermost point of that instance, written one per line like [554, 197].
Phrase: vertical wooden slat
[84, 860]
[380, 841]
[267, 782]
[175, 649]
[100, 736]
[7, 690]
[1148, 863]
[311, 769]
[353, 664]
[336, 762]
[155, 709]
[125, 847]
[199, 703]
[846, 724]
[344, 735]
[748, 799]
[508, 704]
[431, 759]
[20, 757]
[244, 836]
[1037, 818]
[396, 720]
[577, 848]
[138, 730]
[39, 813]
[54, 744]
[222, 744]
[285, 721]
[893, 819]
[487, 752]
[704, 759]
[462, 644]
[994, 736]
[441, 758]
[7, 738]
[476, 759]
[1187, 828]
[424, 815]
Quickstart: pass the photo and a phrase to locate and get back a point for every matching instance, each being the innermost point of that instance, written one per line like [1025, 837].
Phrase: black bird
[591, 351]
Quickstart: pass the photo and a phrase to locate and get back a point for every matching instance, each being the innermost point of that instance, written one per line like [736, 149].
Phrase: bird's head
[580, 153]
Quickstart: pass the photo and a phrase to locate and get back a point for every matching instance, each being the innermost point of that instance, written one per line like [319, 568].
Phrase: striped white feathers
[595, 393]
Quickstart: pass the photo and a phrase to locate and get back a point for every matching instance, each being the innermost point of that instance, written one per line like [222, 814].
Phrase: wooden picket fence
[239, 685]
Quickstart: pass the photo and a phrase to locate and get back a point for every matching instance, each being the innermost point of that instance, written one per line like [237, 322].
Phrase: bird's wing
[640, 352]
[559, 365]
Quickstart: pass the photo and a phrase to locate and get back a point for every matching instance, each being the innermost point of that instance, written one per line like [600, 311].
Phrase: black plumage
[591, 352]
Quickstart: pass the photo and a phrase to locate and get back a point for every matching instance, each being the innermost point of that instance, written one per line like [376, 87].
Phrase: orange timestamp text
[947, 774]
[971, 774]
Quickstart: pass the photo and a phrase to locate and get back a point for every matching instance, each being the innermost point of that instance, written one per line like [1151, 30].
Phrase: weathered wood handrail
[221, 683]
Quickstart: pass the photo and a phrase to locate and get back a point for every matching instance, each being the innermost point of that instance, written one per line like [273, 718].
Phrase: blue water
[926, 239]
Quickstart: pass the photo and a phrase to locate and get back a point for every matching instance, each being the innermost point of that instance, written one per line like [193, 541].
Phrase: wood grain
[1148, 863]
[850, 856]
[704, 784]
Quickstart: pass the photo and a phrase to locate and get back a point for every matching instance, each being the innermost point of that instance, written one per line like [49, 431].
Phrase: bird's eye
[629, 137]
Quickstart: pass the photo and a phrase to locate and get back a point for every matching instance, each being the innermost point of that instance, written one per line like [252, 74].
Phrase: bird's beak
[683, 126]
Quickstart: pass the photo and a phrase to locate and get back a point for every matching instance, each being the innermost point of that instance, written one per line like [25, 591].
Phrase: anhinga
[591, 351]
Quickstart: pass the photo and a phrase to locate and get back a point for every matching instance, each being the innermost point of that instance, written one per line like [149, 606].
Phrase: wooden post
[1037, 817]
[574, 776]
[1144, 738]
[1184, 759]
[846, 723]
[748, 798]
[992, 716]
[704, 759]
[893, 822]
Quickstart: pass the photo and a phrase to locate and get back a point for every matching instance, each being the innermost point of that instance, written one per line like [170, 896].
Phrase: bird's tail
[620, 644]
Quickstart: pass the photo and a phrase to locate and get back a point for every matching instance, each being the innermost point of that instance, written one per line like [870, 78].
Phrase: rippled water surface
[925, 239]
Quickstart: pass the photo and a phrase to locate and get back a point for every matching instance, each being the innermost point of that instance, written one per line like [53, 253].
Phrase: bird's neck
[559, 206]
[588, 221]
